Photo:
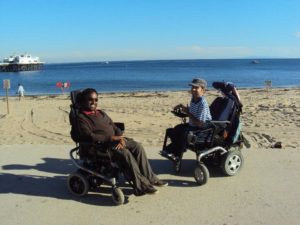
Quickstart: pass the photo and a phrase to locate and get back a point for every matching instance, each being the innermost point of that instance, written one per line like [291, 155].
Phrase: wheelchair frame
[86, 179]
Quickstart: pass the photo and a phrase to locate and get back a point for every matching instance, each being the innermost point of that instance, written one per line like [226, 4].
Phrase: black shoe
[168, 155]
[151, 190]
[138, 193]
[160, 183]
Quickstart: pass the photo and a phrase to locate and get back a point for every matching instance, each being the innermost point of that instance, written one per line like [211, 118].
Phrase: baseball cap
[197, 82]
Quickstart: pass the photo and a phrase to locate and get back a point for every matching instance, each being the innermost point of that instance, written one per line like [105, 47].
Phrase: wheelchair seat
[224, 126]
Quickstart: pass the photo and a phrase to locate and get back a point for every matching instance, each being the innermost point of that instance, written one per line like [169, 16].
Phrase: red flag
[59, 84]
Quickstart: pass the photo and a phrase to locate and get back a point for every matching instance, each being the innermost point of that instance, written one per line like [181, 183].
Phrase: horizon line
[144, 60]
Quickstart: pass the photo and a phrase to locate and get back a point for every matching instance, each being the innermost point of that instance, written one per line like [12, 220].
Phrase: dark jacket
[96, 127]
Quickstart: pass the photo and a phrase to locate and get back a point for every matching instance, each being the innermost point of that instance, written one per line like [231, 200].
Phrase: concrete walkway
[33, 191]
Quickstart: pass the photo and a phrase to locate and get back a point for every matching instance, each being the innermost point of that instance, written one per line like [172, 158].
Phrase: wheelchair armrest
[96, 145]
[220, 124]
[90, 149]
[86, 143]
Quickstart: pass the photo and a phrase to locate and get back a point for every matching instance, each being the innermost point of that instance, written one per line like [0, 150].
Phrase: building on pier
[18, 63]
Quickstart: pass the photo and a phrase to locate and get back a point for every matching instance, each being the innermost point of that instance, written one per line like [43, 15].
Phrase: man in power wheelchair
[105, 151]
[217, 139]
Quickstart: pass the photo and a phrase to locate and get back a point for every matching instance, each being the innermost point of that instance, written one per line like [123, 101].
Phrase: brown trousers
[134, 164]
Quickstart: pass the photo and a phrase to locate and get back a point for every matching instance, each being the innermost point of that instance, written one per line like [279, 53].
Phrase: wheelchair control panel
[178, 111]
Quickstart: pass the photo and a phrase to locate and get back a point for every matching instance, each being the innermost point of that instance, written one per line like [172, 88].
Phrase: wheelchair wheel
[78, 184]
[118, 196]
[232, 163]
[201, 174]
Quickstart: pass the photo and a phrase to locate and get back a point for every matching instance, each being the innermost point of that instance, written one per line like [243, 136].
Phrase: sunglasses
[93, 99]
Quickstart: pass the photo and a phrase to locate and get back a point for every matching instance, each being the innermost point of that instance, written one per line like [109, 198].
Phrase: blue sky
[96, 30]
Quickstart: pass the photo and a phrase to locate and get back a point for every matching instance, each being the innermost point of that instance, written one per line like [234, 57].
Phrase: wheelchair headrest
[76, 96]
[225, 87]
[229, 90]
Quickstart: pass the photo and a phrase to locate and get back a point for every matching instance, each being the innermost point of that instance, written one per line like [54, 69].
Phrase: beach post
[6, 86]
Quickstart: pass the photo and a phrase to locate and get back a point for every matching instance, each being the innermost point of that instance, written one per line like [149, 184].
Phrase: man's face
[90, 102]
[197, 91]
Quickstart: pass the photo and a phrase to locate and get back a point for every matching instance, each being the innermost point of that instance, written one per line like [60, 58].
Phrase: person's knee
[122, 155]
[169, 132]
[132, 144]
[139, 145]
[138, 149]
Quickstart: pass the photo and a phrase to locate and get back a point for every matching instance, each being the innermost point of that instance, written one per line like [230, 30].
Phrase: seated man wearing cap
[198, 113]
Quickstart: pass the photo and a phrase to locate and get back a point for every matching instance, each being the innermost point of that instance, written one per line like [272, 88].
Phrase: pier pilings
[16, 67]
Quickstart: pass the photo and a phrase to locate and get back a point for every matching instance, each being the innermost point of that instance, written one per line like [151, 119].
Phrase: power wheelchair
[218, 144]
[94, 162]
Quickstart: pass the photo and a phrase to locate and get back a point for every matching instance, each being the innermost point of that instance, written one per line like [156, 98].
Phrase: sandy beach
[35, 144]
[268, 117]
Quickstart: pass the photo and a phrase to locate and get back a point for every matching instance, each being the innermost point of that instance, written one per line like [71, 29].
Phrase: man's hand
[121, 141]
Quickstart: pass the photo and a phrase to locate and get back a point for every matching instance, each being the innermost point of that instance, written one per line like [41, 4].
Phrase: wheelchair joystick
[178, 111]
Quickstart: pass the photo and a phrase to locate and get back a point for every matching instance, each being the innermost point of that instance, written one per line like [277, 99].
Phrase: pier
[16, 67]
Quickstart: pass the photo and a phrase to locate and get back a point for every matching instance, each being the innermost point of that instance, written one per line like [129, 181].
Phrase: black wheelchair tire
[78, 184]
[118, 196]
[201, 174]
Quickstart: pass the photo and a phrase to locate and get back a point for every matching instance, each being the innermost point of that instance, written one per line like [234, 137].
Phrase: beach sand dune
[268, 117]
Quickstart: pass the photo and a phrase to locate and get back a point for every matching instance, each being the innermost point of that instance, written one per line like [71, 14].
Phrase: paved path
[33, 191]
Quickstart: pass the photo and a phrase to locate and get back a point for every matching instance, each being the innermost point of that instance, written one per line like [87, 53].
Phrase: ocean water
[155, 75]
